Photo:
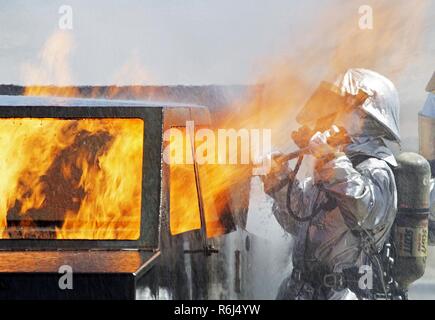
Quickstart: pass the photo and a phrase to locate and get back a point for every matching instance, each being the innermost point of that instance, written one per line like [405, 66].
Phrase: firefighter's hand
[302, 136]
[319, 146]
[278, 175]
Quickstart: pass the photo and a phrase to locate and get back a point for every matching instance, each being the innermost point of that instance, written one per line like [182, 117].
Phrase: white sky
[176, 42]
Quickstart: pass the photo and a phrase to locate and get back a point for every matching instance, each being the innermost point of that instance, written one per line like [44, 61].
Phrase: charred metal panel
[44, 286]
[96, 274]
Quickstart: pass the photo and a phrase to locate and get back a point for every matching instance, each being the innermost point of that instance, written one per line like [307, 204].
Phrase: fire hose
[337, 137]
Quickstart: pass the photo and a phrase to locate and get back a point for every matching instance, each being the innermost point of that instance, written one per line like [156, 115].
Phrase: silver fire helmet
[374, 94]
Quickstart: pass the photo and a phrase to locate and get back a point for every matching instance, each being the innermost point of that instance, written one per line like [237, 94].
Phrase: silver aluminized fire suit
[351, 198]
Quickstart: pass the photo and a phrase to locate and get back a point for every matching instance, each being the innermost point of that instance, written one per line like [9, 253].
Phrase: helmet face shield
[322, 107]
[356, 89]
[325, 105]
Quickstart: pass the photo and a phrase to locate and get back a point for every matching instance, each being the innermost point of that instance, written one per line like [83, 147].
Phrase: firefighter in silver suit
[342, 214]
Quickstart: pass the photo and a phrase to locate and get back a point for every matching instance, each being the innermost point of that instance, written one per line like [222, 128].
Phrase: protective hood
[382, 103]
[357, 91]
[370, 147]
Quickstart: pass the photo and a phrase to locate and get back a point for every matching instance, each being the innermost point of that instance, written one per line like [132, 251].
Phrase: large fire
[70, 179]
[183, 195]
[210, 192]
[331, 43]
[337, 43]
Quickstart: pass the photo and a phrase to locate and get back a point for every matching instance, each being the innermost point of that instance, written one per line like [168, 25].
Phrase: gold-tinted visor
[325, 102]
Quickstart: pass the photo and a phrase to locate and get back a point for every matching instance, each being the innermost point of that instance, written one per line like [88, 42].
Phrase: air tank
[410, 231]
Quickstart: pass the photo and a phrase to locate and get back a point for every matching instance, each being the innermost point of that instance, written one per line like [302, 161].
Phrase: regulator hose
[289, 192]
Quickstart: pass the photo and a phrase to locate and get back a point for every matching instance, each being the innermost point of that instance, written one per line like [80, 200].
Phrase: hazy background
[197, 42]
[177, 42]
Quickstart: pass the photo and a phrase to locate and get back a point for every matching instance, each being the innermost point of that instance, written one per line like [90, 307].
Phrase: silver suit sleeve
[366, 195]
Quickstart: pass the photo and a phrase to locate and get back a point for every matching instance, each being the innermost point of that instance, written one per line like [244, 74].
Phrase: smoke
[336, 41]
[327, 45]
[52, 75]
[387, 48]
[53, 62]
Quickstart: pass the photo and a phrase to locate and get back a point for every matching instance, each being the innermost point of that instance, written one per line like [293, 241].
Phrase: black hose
[289, 192]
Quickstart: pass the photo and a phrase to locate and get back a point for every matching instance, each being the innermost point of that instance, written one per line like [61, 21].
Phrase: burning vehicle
[91, 191]
[187, 151]
[86, 190]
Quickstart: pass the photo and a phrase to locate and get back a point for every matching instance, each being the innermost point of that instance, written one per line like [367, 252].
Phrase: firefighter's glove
[302, 136]
[319, 146]
[323, 149]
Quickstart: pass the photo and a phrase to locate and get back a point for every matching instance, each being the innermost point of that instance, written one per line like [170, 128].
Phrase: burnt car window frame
[151, 174]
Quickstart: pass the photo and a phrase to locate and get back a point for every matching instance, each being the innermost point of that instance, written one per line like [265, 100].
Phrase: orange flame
[211, 189]
[336, 44]
[71, 179]
[51, 68]
[183, 196]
